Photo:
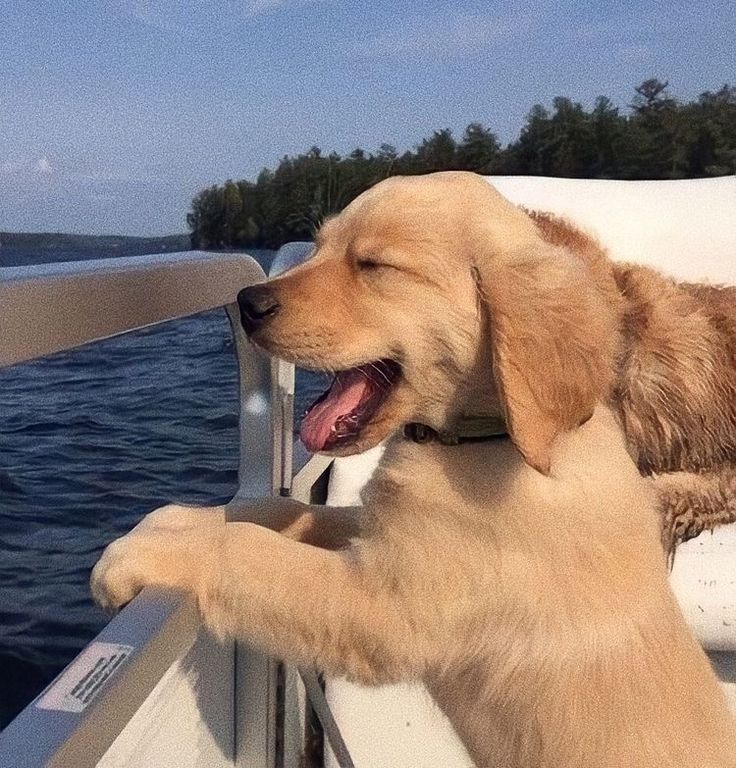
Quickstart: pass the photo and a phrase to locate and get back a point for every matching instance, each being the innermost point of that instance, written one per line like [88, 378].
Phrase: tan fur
[534, 604]
[675, 382]
[676, 377]
[693, 503]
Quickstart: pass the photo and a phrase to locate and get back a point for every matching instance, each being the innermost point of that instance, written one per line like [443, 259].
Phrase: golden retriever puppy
[521, 577]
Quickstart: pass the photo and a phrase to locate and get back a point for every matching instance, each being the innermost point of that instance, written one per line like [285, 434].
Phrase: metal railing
[48, 308]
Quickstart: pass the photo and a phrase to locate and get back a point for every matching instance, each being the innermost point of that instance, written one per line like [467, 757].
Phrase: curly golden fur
[674, 382]
[522, 580]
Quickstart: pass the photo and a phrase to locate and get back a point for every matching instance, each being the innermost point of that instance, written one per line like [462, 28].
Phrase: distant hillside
[21, 248]
[88, 242]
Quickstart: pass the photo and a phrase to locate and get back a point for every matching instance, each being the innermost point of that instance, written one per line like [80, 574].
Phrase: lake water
[91, 440]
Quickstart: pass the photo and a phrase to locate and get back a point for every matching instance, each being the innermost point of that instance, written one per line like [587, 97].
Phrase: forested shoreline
[25, 248]
[657, 136]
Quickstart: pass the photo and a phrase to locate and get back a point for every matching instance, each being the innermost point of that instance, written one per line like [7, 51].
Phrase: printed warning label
[85, 677]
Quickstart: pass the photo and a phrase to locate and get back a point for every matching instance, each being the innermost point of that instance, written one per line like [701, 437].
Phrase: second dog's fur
[521, 579]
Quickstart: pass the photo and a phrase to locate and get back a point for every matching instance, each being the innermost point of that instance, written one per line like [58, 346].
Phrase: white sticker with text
[85, 677]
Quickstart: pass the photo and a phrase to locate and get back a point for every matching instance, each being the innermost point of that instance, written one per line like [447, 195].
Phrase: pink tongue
[346, 393]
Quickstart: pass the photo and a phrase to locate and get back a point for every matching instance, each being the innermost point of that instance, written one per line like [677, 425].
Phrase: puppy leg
[331, 610]
[320, 526]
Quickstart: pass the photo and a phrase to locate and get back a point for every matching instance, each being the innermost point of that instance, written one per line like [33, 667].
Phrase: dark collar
[470, 429]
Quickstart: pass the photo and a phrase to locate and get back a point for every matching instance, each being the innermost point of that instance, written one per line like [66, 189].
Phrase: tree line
[657, 137]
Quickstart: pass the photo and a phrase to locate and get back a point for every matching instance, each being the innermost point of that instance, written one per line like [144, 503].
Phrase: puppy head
[414, 294]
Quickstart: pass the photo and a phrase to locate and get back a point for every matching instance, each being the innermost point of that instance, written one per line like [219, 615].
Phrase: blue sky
[114, 113]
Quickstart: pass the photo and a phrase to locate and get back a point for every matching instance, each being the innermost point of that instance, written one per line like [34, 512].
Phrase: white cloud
[40, 173]
[460, 34]
[186, 17]
[42, 167]
[42, 194]
[163, 15]
[27, 169]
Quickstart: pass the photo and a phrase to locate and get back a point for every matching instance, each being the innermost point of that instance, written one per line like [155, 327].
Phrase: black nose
[257, 303]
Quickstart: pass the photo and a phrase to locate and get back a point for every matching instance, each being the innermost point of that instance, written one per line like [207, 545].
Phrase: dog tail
[690, 503]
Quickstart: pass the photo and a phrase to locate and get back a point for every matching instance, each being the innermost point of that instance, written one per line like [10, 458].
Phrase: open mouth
[339, 415]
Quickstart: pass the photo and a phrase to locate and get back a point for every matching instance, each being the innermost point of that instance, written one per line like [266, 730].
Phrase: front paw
[169, 547]
[120, 574]
[179, 558]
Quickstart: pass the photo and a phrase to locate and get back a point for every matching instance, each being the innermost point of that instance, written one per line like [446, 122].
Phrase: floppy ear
[553, 340]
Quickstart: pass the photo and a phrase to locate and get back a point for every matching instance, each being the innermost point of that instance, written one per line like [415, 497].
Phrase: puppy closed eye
[371, 265]
[368, 265]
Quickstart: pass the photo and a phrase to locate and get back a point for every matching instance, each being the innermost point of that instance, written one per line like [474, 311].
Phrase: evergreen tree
[532, 152]
[437, 153]
[479, 150]
[387, 155]
[656, 113]
[609, 130]
[232, 205]
[572, 147]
